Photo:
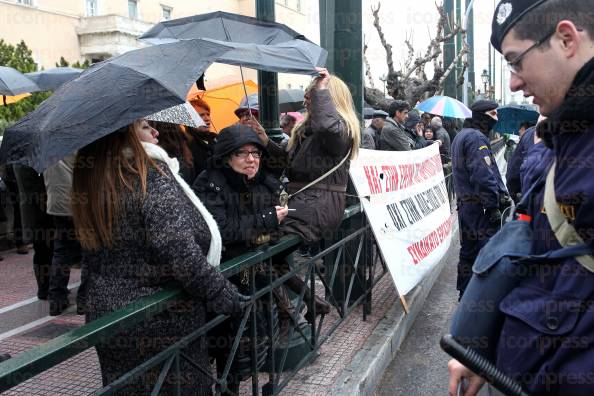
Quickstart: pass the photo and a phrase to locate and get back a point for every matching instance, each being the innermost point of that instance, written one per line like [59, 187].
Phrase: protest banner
[405, 199]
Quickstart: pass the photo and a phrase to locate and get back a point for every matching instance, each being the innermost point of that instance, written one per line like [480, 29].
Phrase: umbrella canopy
[52, 79]
[223, 100]
[220, 26]
[243, 33]
[115, 92]
[13, 82]
[290, 100]
[512, 116]
[183, 114]
[445, 106]
[106, 97]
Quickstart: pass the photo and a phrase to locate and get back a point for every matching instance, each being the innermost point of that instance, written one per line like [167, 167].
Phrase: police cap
[480, 106]
[507, 14]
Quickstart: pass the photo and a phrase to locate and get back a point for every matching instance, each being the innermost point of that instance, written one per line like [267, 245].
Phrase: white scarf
[214, 252]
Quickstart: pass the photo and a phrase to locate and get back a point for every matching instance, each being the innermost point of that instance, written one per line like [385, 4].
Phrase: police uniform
[547, 339]
[478, 186]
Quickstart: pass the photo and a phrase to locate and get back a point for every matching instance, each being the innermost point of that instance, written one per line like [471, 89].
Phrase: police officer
[547, 338]
[480, 191]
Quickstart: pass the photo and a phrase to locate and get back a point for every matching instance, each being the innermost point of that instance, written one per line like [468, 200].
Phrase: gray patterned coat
[159, 242]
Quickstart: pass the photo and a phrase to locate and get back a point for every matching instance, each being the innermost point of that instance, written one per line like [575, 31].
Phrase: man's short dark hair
[398, 105]
[543, 19]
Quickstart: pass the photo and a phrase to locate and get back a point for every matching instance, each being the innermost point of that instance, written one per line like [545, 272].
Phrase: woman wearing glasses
[244, 200]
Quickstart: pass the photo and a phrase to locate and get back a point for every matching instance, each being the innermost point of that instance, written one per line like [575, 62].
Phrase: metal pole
[449, 50]
[469, 72]
[458, 49]
[268, 82]
[341, 33]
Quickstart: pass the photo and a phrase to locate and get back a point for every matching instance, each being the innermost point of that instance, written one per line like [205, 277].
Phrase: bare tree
[410, 82]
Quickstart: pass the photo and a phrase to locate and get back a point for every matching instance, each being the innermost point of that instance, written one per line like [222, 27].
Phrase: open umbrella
[13, 83]
[223, 99]
[512, 116]
[115, 92]
[183, 114]
[222, 26]
[6, 100]
[445, 106]
[290, 100]
[52, 79]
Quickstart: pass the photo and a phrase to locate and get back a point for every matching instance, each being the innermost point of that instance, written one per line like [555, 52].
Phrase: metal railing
[350, 270]
[352, 266]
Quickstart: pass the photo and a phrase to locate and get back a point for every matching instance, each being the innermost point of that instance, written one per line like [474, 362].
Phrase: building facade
[95, 30]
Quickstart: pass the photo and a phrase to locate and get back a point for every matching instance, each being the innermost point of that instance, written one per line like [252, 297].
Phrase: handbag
[502, 264]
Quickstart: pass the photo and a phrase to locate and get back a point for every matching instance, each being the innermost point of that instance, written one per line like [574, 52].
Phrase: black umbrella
[290, 100]
[244, 33]
[104, 98]
[221, 26]
[52, 79]
[114, 93]
[13, 82]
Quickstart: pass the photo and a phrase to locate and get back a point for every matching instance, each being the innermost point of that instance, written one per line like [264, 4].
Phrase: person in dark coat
[142, 229]
[327, 138]
[394, 136]
[478, 186]
[512, 175]
[371, 134]
[441, 134]
[546, 341]
[243, 199]
[414, 128]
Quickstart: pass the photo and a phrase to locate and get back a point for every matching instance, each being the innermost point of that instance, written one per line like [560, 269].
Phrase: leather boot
[286, 310]
[297, 284]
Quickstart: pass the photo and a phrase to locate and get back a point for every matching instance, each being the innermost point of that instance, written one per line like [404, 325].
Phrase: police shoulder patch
[483, 148]
[488, 160]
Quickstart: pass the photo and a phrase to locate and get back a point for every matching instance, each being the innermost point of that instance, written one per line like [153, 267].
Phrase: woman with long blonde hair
[318, 157]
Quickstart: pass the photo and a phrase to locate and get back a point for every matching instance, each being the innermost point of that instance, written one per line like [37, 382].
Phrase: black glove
[244, 301]
[505, 202]
[494, 215]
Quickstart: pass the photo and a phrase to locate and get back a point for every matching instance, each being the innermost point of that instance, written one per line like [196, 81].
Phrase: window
[166, 13]
[298, 5]
[25, 2]
[91, 7]
[133, 9]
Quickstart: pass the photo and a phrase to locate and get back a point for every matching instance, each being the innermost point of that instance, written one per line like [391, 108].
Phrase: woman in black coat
[243, 199]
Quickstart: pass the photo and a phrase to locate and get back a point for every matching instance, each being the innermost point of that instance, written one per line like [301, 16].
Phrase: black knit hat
[232, 138]
[507, 14]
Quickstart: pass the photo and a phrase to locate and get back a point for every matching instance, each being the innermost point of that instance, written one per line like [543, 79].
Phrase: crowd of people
[157, 204]
[403, 129]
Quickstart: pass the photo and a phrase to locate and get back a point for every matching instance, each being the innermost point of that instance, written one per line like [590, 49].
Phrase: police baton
[481, 366]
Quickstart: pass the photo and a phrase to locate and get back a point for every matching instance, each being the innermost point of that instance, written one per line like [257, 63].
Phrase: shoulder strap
[564, 232]
[319, 179]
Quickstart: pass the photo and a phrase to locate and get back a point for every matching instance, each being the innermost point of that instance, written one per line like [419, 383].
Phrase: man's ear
[568, 37]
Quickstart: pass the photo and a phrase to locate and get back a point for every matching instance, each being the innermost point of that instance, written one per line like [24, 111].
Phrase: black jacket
[242, 209]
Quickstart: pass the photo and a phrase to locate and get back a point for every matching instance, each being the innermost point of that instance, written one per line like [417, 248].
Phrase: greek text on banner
[405, 199]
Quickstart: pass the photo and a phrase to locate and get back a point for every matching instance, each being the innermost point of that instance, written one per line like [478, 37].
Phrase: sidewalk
[351, 362]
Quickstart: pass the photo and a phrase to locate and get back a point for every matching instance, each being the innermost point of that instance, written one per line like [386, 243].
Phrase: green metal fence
[350, 270]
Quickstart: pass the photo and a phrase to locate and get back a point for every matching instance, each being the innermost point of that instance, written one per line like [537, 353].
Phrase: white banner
[406, 201]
